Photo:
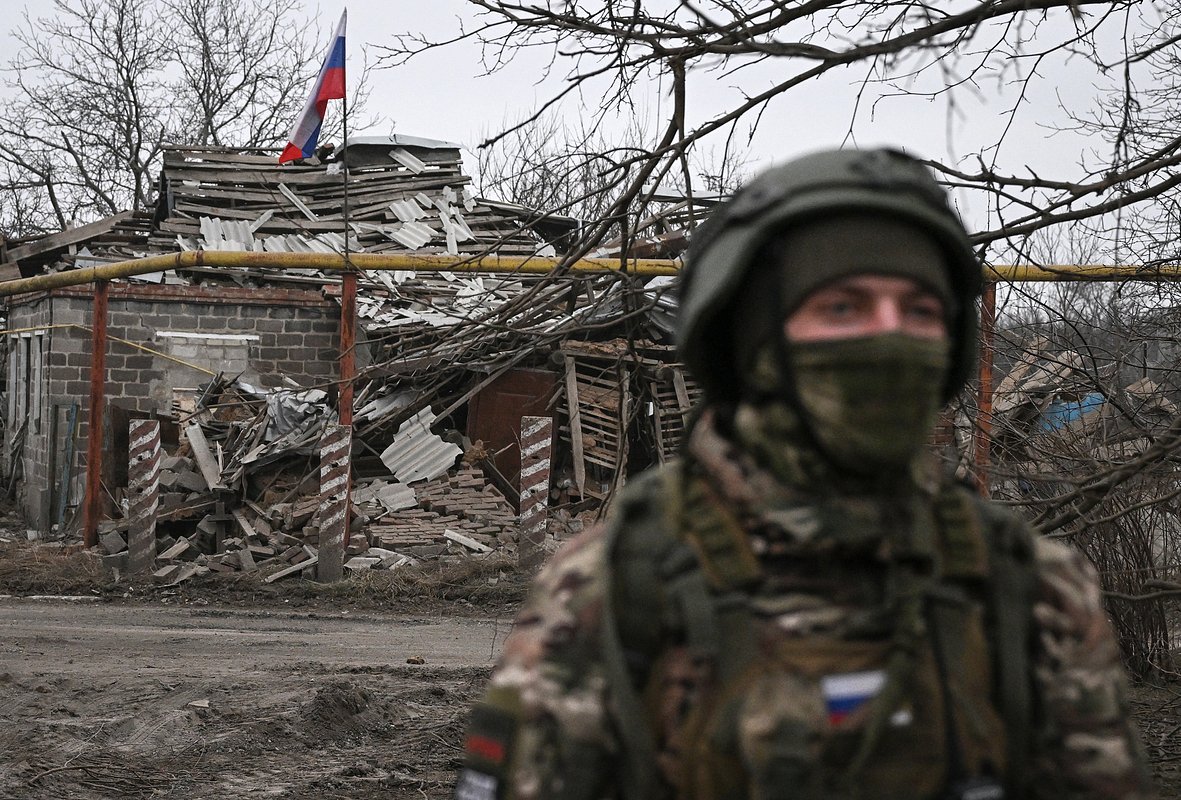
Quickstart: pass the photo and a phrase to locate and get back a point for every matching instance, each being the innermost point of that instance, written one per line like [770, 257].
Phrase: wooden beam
[55, 241]
[204, 458]
[575, 415]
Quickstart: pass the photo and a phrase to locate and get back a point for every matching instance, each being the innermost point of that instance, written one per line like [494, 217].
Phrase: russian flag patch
[844, 694]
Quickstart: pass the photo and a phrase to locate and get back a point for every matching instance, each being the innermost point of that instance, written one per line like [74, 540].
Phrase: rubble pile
[246, 522]
[448, 362]
[462, 503]
[241, 487]
[406, 194]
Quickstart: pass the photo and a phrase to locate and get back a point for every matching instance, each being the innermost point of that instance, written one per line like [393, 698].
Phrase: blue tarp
[1063, 412]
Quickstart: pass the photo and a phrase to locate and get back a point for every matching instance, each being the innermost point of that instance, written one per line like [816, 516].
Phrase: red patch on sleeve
[484, 747]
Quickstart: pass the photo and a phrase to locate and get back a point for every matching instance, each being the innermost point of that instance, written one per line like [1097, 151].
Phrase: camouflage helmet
[724, 252]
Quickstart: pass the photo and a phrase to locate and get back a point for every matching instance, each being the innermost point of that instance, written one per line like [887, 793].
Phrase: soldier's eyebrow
[857, 292]
[919, 293]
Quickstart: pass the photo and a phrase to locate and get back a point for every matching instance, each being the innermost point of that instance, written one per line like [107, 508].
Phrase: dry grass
[486, 581]
[490, 583]
[49, 569]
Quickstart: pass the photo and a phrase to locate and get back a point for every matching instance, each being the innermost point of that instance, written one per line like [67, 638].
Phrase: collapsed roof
[404, 194]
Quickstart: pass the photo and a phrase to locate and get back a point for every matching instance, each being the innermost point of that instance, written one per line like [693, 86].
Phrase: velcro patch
[485, 747]
[488, 745]
[847, 692]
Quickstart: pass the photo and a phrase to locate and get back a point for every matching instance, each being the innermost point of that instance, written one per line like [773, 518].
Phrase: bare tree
[1085, 431]
[243, 70]
[100, 87]
[557, 166]
[569, 168]
[1087, 444]
[617, 51]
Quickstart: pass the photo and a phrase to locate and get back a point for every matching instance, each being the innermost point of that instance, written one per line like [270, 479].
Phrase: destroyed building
[242, 363]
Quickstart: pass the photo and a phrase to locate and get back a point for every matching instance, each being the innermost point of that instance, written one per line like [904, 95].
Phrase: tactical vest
[950, 685]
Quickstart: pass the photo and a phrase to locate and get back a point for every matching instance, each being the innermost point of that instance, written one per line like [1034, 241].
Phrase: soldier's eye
[926, 308]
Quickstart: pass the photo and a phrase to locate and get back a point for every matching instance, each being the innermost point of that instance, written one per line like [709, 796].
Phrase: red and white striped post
[335, 451]
[537, 434]
[143, 492]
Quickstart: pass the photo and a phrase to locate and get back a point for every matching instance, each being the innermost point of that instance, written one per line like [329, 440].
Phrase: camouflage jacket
[548, 729]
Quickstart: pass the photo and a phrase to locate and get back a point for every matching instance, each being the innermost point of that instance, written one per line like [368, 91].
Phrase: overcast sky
[444, 95]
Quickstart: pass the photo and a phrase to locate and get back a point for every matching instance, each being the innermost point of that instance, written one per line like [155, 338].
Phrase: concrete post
[143, 491]
[536, 443]
[335, 464]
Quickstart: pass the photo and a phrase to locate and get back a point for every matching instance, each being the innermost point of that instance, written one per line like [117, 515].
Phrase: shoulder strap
[636, 616]
[717, 538]
[977, 534]
[666, 581]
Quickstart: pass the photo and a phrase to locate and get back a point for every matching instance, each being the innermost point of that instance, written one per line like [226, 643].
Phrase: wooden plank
[243, 523]
[625, 411]
[600, 420]
[245, 175]
[294, 568]
[204, 458]
[265, 199]
[298, 202]
[55, 241]
[466, 541]
[605, 461]
[682, 392]
[191, 154]
[662, 452]
[575, 415]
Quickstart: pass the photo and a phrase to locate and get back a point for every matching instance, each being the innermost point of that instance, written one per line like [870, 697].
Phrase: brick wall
[264, 334]
[27, 443]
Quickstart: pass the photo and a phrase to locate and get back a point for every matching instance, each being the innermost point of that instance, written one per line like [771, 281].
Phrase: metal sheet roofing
[416, 454]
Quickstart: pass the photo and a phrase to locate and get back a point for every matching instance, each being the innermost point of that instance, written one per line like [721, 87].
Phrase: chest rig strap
[682, 564]
[1004, 556]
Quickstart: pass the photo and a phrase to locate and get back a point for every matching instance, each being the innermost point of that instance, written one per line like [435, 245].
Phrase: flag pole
[333, 541]
[345, 168]
[348, 293]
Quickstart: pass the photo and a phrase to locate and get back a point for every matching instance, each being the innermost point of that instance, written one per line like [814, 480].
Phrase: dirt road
[113, 701]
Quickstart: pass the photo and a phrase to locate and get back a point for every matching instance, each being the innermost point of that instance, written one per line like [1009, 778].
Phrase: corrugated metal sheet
[238, 235]
[401, 140]
[391, 496]
[380, 406]
[416, 454]
[413, 234]
[407, 210]
[407, 160]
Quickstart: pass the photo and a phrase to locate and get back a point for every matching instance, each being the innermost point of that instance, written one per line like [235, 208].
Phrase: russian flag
[845, 694]
[329, 86]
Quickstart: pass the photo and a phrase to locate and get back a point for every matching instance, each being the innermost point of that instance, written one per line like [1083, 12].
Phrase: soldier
[800, 607]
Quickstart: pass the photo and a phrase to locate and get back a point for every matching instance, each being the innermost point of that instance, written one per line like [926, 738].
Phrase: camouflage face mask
[870, 403]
